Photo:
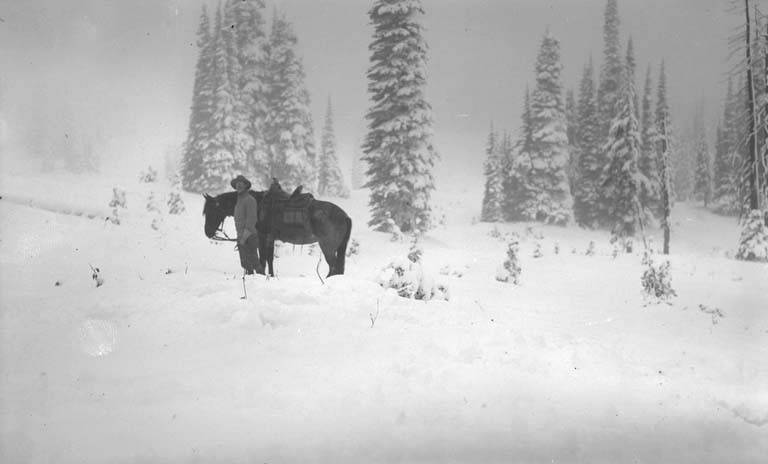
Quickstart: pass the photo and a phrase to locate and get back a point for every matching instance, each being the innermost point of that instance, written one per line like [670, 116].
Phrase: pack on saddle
[286, 213]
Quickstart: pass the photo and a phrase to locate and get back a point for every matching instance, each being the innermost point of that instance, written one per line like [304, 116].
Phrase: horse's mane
[229, 199]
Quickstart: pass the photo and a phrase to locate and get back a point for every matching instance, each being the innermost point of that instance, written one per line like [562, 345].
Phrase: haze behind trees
[124, 70]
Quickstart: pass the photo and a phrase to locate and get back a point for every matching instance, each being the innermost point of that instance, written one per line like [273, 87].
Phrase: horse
[326, 224]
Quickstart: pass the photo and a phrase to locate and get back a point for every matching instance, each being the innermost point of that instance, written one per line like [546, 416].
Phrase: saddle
[288, 211]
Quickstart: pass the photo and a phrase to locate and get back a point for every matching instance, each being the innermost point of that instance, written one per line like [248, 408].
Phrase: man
[246, 216]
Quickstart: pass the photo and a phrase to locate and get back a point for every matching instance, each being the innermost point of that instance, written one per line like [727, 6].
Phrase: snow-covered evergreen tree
[517, 167]
[572, 124]
[241, 140]
[586, 190]
[753, 192]
[623, 179]
[551, 201]
[289, 131]
[631, 73]
[612, 69]
[398, 146]
[753, 243]
[664, 147]
[358, 168]
[493, 196]
[249, 32]
[608, 89]
[175, 202]
[702, 189]
[649, 162]
[720, 159]
[330, 180]
[723, 166]
[199, 130]
[729, 158]
[224, 152]
[683, 163]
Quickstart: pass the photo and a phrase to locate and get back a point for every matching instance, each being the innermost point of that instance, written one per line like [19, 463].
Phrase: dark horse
[325, 223]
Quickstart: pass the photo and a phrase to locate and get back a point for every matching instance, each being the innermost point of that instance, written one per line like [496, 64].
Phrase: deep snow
[165, 362]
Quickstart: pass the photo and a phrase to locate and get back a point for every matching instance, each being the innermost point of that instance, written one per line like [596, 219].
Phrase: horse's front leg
[270, 250]
[263, 250]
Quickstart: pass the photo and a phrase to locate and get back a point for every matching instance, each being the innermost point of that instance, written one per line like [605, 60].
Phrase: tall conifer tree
[726, 177]
[493, 170]
[623, 178]
[198, 132]
[589, 169]
[612, 69]
[664, 147]
[608, 95]
[288, 128]
[398, 145]
[517, 167]
[547, 177]
[649, 162]
[702, 189]
[250, 40]
[222, 157]
[572, 124]
[330, 180]
[631, 73]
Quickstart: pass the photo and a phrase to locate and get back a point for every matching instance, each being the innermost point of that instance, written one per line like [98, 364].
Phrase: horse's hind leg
[329, 252]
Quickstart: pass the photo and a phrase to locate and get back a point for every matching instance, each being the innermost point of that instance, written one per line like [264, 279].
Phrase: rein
[218, 238]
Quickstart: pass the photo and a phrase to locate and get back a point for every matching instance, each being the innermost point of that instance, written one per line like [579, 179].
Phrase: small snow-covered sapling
[510, 270]
[590, 248]
[354, 248]
[656, 279]
[175, 203]
[118, 198]
[416, 251]
[114, 218]
[96, 276]
[148, 176]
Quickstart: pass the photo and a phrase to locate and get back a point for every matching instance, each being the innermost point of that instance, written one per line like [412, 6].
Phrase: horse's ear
[206, 196]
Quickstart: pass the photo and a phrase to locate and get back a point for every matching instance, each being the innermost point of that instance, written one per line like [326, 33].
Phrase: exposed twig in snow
[374, 316]
[96, 275]
[716, 313]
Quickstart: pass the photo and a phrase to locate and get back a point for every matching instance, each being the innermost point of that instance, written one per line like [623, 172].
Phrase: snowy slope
[165, 362]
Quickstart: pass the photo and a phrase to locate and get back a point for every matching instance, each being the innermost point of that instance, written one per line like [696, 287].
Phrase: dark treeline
[613, 146]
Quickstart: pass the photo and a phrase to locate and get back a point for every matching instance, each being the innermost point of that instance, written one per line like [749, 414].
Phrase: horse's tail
[341, 252]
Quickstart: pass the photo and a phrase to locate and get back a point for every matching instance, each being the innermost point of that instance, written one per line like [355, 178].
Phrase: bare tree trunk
[665, 183]
[763, 163]
[753, 162]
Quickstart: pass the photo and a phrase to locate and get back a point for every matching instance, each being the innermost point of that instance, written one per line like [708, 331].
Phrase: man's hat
[243, 179]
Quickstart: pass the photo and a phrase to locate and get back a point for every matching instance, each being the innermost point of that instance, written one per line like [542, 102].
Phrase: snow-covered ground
[166, 363]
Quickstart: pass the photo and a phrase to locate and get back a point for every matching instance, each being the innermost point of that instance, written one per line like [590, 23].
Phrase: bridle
[220, 235]
[218, 238]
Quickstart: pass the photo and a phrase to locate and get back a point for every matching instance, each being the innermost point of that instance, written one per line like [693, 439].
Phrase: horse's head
[215, 212]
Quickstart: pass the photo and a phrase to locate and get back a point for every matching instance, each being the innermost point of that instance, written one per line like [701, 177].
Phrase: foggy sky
[126, 67]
